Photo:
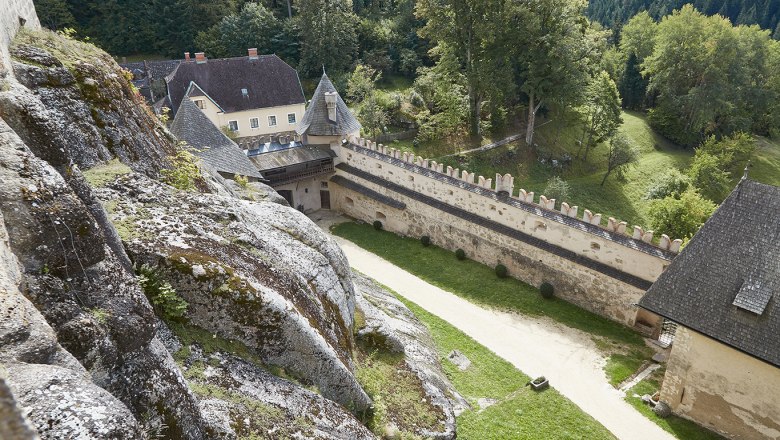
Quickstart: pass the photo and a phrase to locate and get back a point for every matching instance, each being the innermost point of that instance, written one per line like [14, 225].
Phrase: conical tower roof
[317, 122]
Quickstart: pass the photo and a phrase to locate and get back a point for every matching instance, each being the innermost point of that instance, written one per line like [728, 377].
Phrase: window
[254, 123]
[233, 125]
[200, 103]
[291, 118]
[244, 93]
[271, 121]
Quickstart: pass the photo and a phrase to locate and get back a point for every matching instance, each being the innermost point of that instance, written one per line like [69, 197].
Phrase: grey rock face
[89, 298]
[257, 272]
[61, 404]
[13, 424]
[393, 326]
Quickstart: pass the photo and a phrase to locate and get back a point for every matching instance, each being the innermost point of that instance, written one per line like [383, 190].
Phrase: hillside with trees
[764, 13]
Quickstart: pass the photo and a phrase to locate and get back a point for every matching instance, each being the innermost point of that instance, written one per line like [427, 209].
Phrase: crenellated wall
[13, 15]
[604, 268]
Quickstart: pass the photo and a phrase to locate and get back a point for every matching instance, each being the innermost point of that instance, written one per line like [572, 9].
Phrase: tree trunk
[605, 177]
[529, 132]
[474, 112]
[289, 8]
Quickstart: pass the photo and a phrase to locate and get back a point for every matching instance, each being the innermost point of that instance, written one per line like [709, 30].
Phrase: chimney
[186, 56]
[330, 102]
[253, 53]
[200, 57]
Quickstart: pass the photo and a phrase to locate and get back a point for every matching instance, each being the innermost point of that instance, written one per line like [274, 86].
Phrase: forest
[459, 71]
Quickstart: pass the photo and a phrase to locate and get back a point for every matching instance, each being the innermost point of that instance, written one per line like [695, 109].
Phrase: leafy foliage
[602, 112]
[706, 174]
[185, 171]
[425, 240]
[547, 290]
[163, 296]
[671, 183]
[680, 217]
[501, 271]
[460, 254]
[253, 26]
[329, 40]
[557, 189]
[621, 154]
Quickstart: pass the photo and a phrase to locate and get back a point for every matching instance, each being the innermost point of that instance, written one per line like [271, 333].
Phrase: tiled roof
[725, 284]
[209, 143]
[315, 121]
[500, 228]
[268, 81]
[290, 156]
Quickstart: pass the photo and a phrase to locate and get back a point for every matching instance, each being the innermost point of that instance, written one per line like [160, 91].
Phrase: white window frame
[231, 128]
[255, 125]
[200, 103]
[294, 117]
[269, 120]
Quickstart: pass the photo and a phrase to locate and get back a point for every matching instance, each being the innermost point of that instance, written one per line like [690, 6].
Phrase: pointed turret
[327, 115]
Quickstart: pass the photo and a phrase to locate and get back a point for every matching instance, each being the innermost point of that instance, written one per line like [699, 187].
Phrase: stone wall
[602, 270]
[722, 388]
[14, 14]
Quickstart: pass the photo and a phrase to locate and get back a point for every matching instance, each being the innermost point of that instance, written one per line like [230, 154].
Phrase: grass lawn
[520, 413]
[478, 283]
[677, 426]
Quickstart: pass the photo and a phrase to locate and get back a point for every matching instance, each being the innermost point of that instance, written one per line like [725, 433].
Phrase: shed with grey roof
[725, 283]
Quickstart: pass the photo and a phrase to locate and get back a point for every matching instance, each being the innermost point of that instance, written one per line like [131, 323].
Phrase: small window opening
[348, 201]
[380, 216]
[595, 246]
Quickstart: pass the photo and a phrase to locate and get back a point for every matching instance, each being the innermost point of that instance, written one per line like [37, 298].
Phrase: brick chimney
[200, 57]
[253, 53]
[186, 56]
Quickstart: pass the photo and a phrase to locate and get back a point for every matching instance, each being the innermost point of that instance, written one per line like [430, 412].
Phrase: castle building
[258, 98]
[723, 291]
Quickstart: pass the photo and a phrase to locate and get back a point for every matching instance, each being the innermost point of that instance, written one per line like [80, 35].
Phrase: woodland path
[536, 346]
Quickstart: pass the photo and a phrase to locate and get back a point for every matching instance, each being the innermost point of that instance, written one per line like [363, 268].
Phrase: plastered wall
[722, 388]
[10, 13]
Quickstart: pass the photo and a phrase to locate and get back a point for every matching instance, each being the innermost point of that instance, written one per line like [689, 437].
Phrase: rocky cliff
[131, 309]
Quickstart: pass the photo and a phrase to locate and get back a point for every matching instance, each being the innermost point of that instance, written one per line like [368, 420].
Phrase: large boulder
[255, 271]
[390, 325]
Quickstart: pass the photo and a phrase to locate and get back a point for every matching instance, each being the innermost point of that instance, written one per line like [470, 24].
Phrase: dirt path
[489, 146]
[536, 346]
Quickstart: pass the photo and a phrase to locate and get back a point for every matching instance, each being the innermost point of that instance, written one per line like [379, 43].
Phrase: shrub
[185, 171]
[242, 181]
[460, 254]
[670, 183]
[426, 240]
[557, 189]
[680, 218]
[707, 174]
[377, 225]
[163, 296]
[501, 271]
[547, 290]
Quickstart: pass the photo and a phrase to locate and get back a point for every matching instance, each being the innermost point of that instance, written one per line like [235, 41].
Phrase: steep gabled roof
[209, 143]
[268, 81]
[315, 121]
[725, 284]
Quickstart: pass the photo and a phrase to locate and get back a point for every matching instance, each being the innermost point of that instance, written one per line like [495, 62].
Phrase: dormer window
[200, 103]
[245, 93]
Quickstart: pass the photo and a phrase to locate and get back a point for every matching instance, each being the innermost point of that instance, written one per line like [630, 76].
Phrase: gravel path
[536, 346]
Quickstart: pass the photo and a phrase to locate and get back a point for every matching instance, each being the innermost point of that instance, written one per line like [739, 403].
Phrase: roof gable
[725, 283]
[209, 143]
[315, 120]
[268, 81]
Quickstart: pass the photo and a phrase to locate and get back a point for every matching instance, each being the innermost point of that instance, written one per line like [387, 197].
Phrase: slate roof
[269, 81]
[290, 156]
[209, 143]
[315, 120]
[725, 284]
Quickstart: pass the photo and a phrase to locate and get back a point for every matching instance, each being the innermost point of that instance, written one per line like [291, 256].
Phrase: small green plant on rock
[185, 171]
[164, 298]
[501, 271]
[547, 290]
[242, 181]
[460, 254]
[425, 240]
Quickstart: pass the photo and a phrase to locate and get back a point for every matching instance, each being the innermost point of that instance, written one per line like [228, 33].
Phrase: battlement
[618, 231]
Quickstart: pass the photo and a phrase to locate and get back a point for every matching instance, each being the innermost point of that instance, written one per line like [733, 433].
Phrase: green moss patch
[101, 175]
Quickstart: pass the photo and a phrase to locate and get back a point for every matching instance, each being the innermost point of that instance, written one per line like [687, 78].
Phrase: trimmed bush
[547, 290]
[502, 271]
[460, 254]
[426, 240]
[377, 225]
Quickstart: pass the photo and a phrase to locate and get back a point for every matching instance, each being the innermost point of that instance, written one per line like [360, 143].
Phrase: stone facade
[13, 15]
[722, 388]
[605, 271]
